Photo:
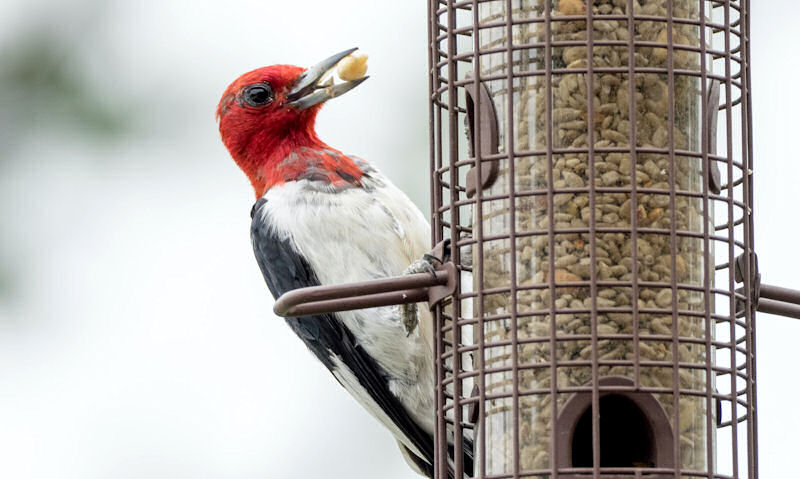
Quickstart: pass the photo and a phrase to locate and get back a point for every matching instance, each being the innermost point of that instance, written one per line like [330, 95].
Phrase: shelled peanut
[619, 249]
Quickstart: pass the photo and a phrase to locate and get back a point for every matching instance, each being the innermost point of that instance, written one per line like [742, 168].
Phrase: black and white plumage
[325, 218]
[309, 232]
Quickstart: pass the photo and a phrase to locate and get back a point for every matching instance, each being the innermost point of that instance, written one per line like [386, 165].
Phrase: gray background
[136, 333]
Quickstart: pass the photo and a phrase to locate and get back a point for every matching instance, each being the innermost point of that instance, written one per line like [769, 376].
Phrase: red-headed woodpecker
[322, 217]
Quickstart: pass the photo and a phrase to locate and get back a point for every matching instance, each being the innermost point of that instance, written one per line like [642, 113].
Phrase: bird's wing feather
[284, 269]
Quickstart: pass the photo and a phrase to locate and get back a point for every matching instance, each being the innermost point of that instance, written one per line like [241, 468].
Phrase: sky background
[136, 333]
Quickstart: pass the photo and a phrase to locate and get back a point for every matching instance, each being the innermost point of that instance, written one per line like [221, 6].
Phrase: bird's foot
[409, 312]
[423, 265]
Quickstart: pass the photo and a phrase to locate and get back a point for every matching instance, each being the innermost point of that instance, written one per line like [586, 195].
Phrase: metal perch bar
[771, 306]
[778, 293]
[778, 300]
[412, 288]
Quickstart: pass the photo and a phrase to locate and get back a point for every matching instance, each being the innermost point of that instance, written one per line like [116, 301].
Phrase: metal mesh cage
[598, 207]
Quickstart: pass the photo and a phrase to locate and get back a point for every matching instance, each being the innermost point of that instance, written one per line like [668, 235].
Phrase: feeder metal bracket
[484, 122]
[766, 298]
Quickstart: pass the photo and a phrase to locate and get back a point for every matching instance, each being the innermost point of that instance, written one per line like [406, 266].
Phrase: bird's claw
[409, 312]
[421, 266]
[409, 317]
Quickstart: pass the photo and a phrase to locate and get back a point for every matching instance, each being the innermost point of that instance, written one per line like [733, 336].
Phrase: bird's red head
[268, 113]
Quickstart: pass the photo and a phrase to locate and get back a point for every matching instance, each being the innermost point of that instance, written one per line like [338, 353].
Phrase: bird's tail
[467, 460]
[422, 467]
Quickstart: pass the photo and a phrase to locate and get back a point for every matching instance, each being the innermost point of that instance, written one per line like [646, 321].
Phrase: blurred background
[136, 333]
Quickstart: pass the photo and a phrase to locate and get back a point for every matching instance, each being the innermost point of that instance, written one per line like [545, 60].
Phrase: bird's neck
[296, 155]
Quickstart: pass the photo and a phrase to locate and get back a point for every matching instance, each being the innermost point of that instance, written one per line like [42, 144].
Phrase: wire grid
[553, 317]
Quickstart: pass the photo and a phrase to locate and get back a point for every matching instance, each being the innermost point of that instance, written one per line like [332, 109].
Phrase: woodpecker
[322, 217]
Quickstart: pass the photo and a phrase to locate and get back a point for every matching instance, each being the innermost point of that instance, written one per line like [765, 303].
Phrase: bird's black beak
[310, 90]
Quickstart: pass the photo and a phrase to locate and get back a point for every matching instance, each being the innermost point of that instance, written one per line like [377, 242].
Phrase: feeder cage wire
[601, 200]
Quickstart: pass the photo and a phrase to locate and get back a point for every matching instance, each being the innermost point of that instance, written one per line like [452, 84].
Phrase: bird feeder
[591, 168]
[602, 200]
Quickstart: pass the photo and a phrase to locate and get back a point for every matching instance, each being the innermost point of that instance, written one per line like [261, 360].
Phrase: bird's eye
[259, 94]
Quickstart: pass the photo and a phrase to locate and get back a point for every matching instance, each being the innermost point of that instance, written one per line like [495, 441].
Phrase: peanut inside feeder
[585, 216]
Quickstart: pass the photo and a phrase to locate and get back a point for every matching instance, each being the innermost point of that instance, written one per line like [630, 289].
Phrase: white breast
[356, 235]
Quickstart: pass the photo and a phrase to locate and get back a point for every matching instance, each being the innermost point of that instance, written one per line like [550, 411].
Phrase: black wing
[284, 269]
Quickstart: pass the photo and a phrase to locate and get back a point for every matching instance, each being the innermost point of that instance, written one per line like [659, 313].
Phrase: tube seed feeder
[591, 169]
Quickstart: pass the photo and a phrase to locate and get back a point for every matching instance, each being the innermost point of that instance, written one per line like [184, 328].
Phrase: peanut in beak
[352, 67]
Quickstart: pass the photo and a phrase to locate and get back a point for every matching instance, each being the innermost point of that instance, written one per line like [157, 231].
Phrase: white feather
[359, 234]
